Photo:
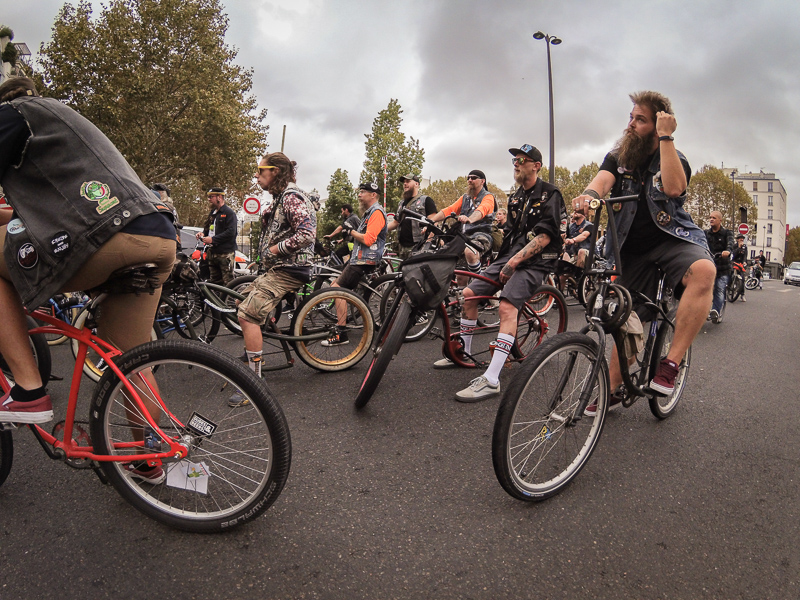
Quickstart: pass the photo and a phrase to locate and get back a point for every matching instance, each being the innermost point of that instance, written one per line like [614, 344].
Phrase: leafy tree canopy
[792, 253]
[402, 156]
[445, 192]
[710, 189]
[340, 192]
[158, 79]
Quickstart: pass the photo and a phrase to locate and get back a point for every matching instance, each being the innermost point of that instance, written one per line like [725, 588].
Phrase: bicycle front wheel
[392, 334]
[6, 454]
[423, 321]
[664, 406]
[313, 317]
[751, 283]
[535, 324]
[238, 438]
[540, 443]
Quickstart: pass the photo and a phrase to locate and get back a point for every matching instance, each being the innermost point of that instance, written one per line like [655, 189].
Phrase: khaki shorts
[264, 294]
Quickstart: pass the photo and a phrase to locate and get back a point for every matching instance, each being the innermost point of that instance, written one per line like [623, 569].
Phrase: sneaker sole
[664, 391]
[27, 418]
[449, 365]
[471, 399]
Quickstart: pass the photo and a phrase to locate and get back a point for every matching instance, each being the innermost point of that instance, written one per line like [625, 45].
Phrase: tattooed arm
[534, 247]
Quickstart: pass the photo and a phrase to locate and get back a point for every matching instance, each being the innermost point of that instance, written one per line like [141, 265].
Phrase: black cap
[407, 177]
[216, 191]
[528, 150]
[740, 237]
[369, 187]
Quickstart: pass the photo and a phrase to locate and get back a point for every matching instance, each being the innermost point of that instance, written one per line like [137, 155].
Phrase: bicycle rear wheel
[751, 283]
[423, 322]
[538, 446]
[239, 457]
[664, 406]
[535, 324]
[6, 454]
[391, 338]
[312, 317]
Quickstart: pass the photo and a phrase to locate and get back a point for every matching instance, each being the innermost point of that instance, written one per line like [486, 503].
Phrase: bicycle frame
[69, 448]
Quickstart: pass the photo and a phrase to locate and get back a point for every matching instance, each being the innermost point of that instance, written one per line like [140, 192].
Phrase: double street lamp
[555, 41]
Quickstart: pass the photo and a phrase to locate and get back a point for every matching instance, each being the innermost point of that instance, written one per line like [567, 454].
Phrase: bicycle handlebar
[415, 216]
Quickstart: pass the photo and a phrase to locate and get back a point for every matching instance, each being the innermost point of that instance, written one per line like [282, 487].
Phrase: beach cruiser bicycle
[425, 283]
[543, 433]
[164, 405]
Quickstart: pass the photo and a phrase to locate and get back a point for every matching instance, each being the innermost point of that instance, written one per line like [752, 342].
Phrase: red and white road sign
[744, 229]
[252, 206]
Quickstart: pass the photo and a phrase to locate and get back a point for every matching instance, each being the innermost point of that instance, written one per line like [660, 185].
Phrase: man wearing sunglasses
[655, 231]
[475, 210]
[219, 235]
[531, 245]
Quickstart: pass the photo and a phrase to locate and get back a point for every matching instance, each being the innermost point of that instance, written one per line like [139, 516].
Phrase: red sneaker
[36, 411]
[151, 475]
[615, 399]
[664, 381]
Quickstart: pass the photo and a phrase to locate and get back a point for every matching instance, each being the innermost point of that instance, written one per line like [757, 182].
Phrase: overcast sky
[472, 81]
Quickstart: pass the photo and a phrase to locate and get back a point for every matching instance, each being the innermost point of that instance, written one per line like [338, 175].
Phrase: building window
[769, 241]
[752, 253]
[769, 214]
[769, 227]
[769, 186]
[769, 200]
[769, 257]
[755, 199]
[755, 186]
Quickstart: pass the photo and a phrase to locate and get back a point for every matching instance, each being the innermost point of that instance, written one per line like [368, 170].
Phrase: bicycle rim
[664, 406]
[533, 327]
[423, 322]
[238, 457]
[536, 447]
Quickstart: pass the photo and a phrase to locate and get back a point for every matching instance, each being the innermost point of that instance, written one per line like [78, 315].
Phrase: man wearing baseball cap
[219, 234]
[531, 245]
[411, 231]
[475, 210]
[369, 240]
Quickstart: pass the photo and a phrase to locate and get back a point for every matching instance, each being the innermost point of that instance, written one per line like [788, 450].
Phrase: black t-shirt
[404, 233]
[644, 233]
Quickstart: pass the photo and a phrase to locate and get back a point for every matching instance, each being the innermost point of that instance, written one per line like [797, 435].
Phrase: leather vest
[417, 204]
[71, 192]
[468, 206]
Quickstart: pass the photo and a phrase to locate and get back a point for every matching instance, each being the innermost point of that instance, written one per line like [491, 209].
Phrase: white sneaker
[444, 363]
[477, 390]
[714, 316]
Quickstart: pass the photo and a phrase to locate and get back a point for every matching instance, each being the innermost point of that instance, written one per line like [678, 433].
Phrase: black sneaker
[338, 339]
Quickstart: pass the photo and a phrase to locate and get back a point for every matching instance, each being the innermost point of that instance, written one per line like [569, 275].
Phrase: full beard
[632, 151]
[408, 194]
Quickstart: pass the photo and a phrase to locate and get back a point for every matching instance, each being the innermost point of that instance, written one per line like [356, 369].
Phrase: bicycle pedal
[8, 426]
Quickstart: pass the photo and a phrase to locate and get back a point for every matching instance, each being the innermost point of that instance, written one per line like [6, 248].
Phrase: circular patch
[681, 232]
[663, 218]
[27, 257]
[617, 206]
[60, 243]
[15, 226]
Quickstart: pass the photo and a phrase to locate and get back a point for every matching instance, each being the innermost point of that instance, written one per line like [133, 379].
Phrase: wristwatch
[666, 138]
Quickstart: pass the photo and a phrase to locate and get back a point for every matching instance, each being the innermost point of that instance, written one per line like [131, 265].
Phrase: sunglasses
[519, 161]
[472, 177]
[260, 167]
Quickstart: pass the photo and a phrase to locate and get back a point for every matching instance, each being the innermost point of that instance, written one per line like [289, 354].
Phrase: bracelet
[666, 138]
[592, 193]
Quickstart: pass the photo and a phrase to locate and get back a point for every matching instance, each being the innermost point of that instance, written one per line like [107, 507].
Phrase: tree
[445, 192]
[402, 156]
[792, 252]
[158, 79]
[340, 192]
[710, 189]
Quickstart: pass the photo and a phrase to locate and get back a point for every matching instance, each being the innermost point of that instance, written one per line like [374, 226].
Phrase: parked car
[792, 274]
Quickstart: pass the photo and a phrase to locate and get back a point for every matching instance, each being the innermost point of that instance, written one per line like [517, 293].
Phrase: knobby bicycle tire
[41, 354]
[664, 406]
[245, 451]
[313, 317]
[537, 447]
[6, 454]
[385, 349]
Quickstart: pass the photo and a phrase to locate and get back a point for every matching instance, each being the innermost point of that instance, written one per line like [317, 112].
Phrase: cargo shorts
[264, 294]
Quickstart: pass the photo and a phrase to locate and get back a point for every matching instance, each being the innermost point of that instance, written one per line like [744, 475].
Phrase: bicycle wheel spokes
[236, 435]
[540, 319]
[538, 446]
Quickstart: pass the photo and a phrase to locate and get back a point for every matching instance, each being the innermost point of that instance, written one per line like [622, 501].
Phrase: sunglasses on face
[261, 167]
[472, 177]
[519, 161]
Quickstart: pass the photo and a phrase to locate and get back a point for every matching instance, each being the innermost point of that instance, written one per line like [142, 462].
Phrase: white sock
[467, 325]
[254, 360]
[501, 351]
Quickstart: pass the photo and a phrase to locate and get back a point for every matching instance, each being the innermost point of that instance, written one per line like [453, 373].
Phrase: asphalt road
[400, 500]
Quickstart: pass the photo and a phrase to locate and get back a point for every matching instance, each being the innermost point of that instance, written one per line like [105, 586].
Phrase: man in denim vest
[369, 240]
[656, 230]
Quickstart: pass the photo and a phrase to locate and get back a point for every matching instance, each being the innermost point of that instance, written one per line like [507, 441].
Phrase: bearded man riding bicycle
[656, 232]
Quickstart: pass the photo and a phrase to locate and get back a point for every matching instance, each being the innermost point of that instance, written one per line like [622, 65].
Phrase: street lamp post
[733, 198]
[764, 238]
[550, 39]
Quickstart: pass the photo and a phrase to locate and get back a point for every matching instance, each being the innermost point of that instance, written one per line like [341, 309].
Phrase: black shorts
[517, 290]
[352, 274]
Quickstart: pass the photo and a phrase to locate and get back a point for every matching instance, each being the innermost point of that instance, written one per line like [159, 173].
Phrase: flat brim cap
[530, 151]
[407, 177]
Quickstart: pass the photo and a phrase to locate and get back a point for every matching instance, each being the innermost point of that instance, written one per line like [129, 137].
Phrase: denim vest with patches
[468, 206]
[71, 192]
[667, 213]
[369, 255]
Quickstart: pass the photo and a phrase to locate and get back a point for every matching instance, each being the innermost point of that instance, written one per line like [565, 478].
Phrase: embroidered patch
[95, 191]
[663, 218]
[60, 243]
[681, 232]
[657, 182]
[617, 206]
[27, 257]
[15, 226]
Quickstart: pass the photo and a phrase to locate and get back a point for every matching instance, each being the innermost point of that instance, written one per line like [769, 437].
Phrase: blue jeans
[720, 286]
